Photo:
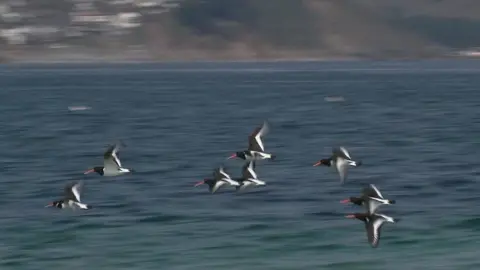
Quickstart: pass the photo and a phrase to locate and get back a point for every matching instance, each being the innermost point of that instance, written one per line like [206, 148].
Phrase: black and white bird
[341, 160]
[71, 198]
[371, 198]
[249, 177]
[256, 148]
[373, 225]
[111, 163]
[220, 178]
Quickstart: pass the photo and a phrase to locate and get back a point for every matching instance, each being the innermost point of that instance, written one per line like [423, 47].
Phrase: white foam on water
[334, 99]
[78, 108]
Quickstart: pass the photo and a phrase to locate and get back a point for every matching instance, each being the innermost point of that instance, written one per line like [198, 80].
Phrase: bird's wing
[73, 191]
[375, 191]
[341, 152]
[110, 157]
[217, 185]
[248, 170]
[255, 142]
[342, 169]
[372, 204]
[374, 231]
[231, 182]
[220, 173]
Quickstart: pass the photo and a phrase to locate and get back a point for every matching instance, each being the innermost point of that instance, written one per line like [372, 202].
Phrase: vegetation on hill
[285, 23]
[324, 28]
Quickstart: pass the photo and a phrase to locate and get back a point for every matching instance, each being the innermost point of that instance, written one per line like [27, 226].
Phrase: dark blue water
[415, 126]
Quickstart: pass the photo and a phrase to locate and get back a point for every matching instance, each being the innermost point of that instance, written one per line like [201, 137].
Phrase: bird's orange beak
[317, 164]
[89, 171]
[199, 183]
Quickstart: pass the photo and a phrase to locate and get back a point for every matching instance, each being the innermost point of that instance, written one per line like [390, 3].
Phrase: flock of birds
[371, 198]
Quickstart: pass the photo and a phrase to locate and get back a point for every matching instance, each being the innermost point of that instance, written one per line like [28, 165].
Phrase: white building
[15, 36]
[126, 20]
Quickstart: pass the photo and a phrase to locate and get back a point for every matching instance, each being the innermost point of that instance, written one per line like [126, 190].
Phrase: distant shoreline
[193, 56]
[115, 60]
[47, 62]
[81, 58]
[214, 61]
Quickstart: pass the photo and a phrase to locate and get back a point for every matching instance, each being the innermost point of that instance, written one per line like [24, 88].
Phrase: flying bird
[371, 198]
[249, 177]
[71, 198]
[111, 163]
[341, 160]
[373, 225]
[220, 178]
[256, 148]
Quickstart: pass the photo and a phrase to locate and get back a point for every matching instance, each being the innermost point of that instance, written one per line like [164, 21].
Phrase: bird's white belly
[245, 185]
[258, 182]
[251, 183]
[258, 156]
[75, 205]
[71, 204]
[115, 172]
[111, 173]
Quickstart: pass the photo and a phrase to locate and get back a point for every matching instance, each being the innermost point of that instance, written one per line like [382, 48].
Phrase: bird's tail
[257, 181]
[83, 206]
[354, 163]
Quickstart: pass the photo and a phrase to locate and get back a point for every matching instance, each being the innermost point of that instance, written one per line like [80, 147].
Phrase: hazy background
[413, 123]
[156, 30]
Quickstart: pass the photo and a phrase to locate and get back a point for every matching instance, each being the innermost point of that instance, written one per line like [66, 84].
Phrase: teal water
[414, 125]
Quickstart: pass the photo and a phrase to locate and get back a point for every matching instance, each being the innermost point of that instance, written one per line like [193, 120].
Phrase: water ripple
[405, 120]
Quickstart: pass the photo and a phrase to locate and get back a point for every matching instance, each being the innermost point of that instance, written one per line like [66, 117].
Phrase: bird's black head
[357, 201]
[97, 169]
[210, 182]
[242, 155]
[58, 204]
[392, 201]
[239, 155]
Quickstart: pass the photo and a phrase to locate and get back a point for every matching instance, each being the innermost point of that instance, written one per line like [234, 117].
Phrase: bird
[341, 159]
[256, 148]
[371, 198]
[249, 177]
[220, 178]
[373, 225]
[111, 163]
[71, 198]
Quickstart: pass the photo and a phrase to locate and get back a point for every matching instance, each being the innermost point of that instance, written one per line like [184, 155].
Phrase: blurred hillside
[238, 29]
